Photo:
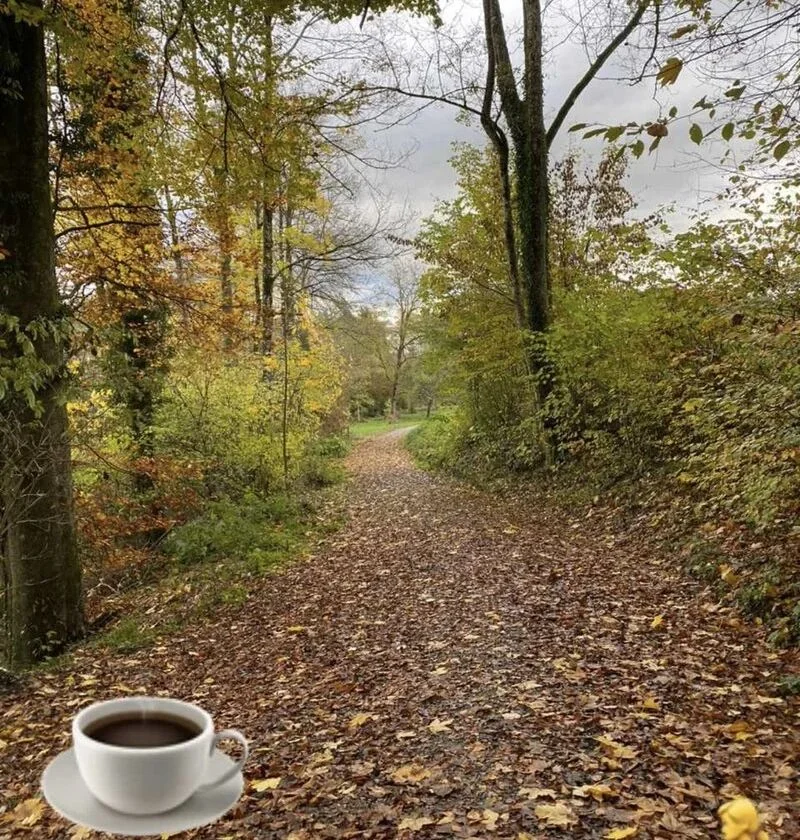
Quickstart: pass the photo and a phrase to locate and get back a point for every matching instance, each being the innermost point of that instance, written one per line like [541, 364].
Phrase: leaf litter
[512, 647]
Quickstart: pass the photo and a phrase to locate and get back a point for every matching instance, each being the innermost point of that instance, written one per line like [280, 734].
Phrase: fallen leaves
[650, 703]
[597, 792]
[414, 823]
[559, 815]
[537, 793]
[410, 774]
[566, 715]
[260, 785]
[26, 814]
[621, 833]
[359, 720]
[615, 749]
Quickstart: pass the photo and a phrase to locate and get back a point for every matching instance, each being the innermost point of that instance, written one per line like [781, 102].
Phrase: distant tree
[404, 302]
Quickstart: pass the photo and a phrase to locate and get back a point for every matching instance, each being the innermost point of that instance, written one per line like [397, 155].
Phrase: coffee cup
[147, 755]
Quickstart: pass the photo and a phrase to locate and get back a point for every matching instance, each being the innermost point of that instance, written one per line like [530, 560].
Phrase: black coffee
[150, 730]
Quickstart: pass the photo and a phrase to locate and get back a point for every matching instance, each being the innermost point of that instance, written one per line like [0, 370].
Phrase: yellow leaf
[489, 819]
[622, 833]
[436, 726]
[616, 749]
[669, 72]
[728, 575]
[414, 823]
[80, 832]
[597, 792]
[28, 812]
[651, 703]
[410, 774]
[657, 622]
[559, 815]
[296, 628]
[359, 720]
[261, 785]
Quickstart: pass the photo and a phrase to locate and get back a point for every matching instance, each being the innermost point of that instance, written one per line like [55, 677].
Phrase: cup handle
[225, 735]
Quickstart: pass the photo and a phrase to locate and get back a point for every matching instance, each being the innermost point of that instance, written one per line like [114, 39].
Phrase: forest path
[451, 664]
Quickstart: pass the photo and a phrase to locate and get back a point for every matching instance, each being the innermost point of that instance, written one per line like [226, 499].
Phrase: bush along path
[452, 665]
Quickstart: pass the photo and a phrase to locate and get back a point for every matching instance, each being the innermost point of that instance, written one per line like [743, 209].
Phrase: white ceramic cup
[149, 780]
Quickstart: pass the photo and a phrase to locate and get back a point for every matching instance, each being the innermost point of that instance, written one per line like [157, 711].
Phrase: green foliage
[789, 685]
[321, 467]
[673, 363]
[259, 532]
[437, 442]
[24, 370]
[126, 636]
[227, 415]
[678, 362]
[756, 600]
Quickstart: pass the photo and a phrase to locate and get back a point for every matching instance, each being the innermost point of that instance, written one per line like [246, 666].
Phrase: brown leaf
[410, 774]
[537, 793]
[414, 823]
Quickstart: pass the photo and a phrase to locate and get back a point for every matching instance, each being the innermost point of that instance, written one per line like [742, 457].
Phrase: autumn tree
[109, 224]
[40, 580]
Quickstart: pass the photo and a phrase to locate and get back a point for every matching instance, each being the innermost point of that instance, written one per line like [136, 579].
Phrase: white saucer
[64, 789]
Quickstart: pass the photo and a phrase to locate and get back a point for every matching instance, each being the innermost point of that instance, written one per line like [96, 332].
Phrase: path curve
[451, 665]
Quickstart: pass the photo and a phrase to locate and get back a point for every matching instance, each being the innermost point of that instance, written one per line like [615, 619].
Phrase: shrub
[257, 531]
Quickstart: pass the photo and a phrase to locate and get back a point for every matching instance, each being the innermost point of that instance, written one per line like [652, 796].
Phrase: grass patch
[378, 425]
[126, 637]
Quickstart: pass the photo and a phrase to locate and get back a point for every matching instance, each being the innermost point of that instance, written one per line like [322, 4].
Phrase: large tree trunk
[40, 594]
[525, 117]
[530, 152]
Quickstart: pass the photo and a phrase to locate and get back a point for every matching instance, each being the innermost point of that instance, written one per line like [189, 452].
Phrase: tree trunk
[40, 599]
[267, 314]
[267, 311]
[398, 365]
[174, 237]
[531, 157]
[525, 117]
[226, 258]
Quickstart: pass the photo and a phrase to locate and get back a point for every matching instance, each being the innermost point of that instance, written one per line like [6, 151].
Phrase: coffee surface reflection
[151, 730]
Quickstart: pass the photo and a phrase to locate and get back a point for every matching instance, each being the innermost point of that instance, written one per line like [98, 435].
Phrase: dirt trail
[453, 665]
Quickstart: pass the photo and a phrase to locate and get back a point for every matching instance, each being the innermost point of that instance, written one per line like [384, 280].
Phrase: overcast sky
[673, 175]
